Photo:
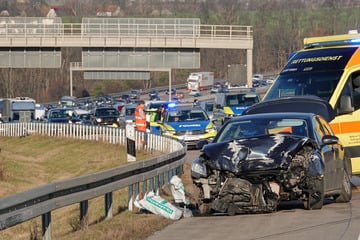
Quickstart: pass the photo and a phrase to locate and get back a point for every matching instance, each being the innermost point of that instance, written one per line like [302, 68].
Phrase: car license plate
[191, 138]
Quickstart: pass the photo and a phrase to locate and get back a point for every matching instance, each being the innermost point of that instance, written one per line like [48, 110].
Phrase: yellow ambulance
[328, 67]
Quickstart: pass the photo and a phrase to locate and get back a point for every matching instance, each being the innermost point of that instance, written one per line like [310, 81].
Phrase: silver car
[127, 115]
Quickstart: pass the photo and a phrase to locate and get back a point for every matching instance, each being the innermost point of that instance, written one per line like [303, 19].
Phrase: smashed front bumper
[240, 196]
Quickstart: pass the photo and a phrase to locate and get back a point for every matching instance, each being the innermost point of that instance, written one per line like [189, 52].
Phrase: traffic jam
[298, 141]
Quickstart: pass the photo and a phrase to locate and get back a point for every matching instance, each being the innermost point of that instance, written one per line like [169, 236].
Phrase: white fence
[88, 132]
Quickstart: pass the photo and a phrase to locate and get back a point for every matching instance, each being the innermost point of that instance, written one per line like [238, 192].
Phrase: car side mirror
[218, 106]
[330, 139]
[345, 105]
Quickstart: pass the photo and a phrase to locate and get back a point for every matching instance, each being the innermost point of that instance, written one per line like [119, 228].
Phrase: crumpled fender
[317, 165]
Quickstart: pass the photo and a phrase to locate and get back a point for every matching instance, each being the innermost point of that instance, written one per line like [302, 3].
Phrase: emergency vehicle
[187, 123]
[233, 102]
[328, 67]
[153, 115]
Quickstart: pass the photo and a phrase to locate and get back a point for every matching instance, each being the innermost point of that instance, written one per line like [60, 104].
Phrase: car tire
[315, 198]
[346, 191]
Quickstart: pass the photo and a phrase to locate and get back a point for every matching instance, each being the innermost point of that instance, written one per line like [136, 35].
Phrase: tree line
[279, 27]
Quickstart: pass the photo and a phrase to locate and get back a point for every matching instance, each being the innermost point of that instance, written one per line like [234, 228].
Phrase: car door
[330, 154]
[339, 155]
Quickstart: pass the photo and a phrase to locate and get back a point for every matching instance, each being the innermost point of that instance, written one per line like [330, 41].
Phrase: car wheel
[346, 191]
[315, 198]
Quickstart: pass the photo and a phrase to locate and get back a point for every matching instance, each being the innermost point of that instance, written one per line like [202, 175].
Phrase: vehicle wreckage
[260, 159]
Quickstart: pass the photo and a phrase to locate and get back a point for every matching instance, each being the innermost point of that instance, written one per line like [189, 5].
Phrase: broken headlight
[198, 169]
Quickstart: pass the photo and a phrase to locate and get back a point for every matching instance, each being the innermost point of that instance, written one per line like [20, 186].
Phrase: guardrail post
[108, 205]
[130, 197]
[180, 170]
[169, 175]
[161, 180]
[151, 184]
[46, 226]
[145, 182]
[84, 206]
[137, 188]
[157, 180]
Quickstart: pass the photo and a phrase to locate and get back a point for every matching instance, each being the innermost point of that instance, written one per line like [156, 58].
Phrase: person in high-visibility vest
[140, 116]
[140, 121]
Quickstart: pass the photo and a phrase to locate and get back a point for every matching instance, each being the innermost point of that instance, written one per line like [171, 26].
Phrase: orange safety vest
[139, 121]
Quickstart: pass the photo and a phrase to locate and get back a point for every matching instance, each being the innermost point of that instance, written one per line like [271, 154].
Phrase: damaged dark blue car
[279, 150]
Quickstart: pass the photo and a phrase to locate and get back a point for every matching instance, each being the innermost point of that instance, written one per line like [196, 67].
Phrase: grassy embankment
[31, 161]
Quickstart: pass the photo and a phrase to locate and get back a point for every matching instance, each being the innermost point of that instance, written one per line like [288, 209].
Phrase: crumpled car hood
[268, 152]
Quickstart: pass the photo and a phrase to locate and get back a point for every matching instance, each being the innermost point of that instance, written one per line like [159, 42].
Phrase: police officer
[161, 112]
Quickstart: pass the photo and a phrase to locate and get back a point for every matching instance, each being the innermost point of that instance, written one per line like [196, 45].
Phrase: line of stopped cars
[278, 150]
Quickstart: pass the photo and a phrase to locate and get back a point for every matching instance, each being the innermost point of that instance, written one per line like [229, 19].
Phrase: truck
[67, 101]
[233, 103]
[329, 68]
[200, 80]
[236, 75]
[19, 109]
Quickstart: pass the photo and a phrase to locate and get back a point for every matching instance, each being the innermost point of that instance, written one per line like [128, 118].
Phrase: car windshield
[209, 107]
[242, 99]
[107, 112]
[321, 84]
[187, 116]
[256, 127]
[130, 111]
[59, 113]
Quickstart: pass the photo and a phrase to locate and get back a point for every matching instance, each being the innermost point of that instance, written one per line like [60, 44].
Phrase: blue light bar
[355, 40]
[349, 41]
[171, 105]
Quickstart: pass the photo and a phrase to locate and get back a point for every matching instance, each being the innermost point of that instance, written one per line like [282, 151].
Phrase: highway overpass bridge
[118, 48]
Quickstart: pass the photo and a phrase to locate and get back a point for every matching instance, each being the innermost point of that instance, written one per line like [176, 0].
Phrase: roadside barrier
[150, 174]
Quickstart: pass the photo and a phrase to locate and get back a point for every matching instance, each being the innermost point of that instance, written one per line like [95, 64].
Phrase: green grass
[29, 162]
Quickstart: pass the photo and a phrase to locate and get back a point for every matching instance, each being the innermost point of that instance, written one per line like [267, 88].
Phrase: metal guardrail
[40, 201]
[55, 29]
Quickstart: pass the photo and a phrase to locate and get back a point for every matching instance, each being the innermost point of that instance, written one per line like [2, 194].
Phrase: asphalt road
[335, 221]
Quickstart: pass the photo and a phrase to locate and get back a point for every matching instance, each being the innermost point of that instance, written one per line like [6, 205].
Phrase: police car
[188, 124]
[153, 115]
[233, 103]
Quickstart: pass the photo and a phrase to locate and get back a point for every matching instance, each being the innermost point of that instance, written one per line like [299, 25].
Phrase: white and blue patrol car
[188, 124]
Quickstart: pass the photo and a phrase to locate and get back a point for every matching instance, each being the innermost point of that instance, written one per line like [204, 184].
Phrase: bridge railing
[51, 28]
[150, 174]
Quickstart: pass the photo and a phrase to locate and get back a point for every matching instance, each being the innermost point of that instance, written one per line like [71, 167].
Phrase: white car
[194, 93]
